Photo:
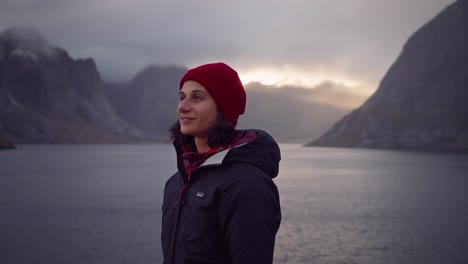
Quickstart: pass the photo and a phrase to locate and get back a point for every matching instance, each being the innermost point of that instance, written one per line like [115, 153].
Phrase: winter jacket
[229, 211]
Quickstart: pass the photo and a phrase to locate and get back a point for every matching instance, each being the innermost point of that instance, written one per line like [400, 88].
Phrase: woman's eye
[197, 97]
[181, 98]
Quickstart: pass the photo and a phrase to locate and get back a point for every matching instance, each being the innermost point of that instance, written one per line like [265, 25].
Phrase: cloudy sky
[299, 42]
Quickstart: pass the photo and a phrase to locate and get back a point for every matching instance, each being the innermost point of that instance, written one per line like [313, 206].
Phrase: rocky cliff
[48, 97]
[422, 102]
[149, 100]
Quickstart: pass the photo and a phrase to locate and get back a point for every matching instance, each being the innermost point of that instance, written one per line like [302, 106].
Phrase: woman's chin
[186, 132]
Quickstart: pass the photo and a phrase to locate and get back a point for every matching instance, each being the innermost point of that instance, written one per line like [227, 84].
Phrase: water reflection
[101, 204]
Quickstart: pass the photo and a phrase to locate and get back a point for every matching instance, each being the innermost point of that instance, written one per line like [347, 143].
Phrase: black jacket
[229, 211]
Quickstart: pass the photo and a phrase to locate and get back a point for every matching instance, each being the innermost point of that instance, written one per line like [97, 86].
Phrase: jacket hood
[262, 152]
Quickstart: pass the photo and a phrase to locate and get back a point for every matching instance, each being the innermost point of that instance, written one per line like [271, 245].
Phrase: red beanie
[223, 83]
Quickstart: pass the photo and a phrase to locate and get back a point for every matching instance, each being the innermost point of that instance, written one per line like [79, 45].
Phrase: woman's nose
[184, 105]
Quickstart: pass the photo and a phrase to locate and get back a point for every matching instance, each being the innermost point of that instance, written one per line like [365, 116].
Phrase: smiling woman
[222, 205]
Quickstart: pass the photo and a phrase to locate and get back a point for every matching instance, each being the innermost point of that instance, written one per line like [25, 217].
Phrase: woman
[222, 205]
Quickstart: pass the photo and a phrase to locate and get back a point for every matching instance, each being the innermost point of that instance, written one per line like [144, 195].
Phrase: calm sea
[101, 204]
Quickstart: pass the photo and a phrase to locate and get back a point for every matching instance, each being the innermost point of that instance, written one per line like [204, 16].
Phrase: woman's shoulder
[243, 177]
[260, 153]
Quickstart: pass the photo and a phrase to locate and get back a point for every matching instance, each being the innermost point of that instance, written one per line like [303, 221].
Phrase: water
[101, 204]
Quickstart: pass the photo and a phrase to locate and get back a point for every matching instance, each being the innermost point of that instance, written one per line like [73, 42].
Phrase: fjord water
[101, 204]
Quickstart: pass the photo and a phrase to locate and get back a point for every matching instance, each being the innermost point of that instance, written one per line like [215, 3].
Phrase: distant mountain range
[48, 97]
[422, 102]
[290, 114]
[293, 114]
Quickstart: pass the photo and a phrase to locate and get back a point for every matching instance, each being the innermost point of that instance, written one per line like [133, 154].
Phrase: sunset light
[289, 75]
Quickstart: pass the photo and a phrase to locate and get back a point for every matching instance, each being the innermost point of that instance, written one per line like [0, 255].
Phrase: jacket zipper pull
[180, 195]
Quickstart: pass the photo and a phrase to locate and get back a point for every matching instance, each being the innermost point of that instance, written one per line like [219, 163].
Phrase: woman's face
[197, 110]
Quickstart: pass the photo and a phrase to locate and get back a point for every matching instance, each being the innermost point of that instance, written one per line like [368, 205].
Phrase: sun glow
[290, 76]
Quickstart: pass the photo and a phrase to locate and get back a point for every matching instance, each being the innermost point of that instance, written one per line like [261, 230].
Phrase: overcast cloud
[355, 39]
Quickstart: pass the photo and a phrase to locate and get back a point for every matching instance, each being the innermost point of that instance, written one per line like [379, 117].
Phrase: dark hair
[222, 133]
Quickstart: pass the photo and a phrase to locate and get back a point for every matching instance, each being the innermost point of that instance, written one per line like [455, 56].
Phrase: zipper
[180, 202]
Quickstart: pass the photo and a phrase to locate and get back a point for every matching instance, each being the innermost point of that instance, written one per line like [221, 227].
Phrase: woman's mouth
[186, 120]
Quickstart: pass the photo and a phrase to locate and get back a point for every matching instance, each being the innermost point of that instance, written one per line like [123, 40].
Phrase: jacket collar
[218, 157]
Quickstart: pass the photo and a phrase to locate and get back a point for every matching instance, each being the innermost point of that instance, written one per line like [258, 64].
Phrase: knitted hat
[223, 83]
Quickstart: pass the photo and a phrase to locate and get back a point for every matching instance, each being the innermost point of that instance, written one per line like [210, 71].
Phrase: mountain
[48, 97]
[422, 101]
[293, 114]
[149, 100]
